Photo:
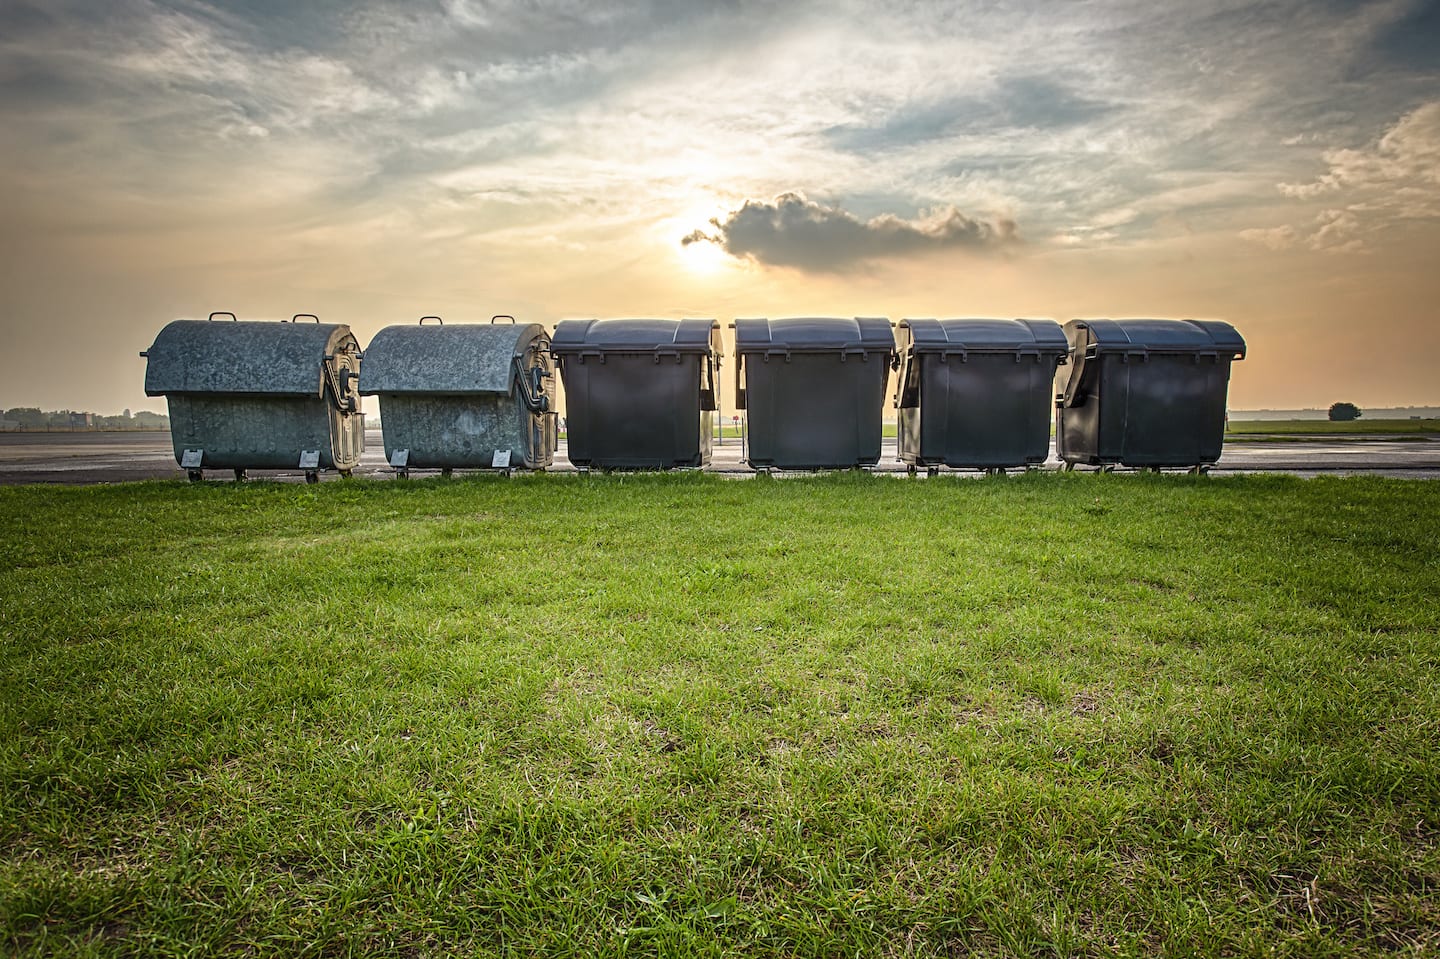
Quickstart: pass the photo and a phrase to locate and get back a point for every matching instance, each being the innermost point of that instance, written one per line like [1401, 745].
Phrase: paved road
[86, 458]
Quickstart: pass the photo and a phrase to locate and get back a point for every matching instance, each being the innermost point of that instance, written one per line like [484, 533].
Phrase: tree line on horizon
[34, 419]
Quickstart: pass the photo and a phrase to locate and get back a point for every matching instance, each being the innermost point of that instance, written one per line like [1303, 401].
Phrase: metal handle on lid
[297, 316]
[233, 317]
[502, 316]
[435, 318]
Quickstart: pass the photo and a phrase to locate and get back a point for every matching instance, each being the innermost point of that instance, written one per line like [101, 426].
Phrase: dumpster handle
[502, 316]
[709, 396]
[233, 317]
[435, 318]
[531, 393]
[297, 316]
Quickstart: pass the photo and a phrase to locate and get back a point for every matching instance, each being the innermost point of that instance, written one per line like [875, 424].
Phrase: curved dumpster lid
[815, 334]
[463, 358]
[976, 335]
[204, 356]
[636, 336]
[1156, 336]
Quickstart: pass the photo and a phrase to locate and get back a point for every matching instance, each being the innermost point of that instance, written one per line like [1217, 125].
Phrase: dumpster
[472, 396]
[638, 393]
[250, 395]
[1148, 393]
[976, 393]
[814, 389]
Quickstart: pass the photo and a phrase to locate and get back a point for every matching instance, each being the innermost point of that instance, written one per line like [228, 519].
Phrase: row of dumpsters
[641, 393]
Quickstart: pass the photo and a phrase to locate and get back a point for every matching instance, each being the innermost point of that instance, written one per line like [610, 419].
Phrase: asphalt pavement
[85, 458]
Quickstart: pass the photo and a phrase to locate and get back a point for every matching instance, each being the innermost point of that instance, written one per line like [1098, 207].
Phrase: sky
[1275, 165]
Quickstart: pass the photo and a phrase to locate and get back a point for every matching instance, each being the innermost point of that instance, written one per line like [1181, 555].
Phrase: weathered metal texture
[256, 395]
[814, 389]
[1147, 393]
[453, 396]
[638, 391]
[975, 393]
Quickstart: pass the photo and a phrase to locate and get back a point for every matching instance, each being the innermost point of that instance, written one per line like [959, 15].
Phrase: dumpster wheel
[311, 476]
[346, 474]
[402, 473]
[240, 476]
[910, 469]
[194, 475]
[933, 472]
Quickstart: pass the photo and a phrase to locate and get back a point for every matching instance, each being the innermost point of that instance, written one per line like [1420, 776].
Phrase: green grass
[1327, 428]
[666, 715]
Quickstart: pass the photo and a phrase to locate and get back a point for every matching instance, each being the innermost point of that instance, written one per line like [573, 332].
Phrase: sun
[701, 256]
[704, 257]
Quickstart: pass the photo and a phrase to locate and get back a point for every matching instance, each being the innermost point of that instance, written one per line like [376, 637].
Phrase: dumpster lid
[976, 335]
[1156, 336]
[636, 336]
[814, 334]
[460, 358]
[202, 356]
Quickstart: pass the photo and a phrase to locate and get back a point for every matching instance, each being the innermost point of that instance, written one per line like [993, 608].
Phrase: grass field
[670, 715]
[1327, 428]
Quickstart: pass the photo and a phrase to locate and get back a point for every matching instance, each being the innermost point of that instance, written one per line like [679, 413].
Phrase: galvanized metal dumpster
[249, 395]
[1148, 393]
[814, 389]
[638, 393]
[975, 393]
[467, 396]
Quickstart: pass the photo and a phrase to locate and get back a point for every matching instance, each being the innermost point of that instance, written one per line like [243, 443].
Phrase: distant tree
[29, 417]
[1341, 412]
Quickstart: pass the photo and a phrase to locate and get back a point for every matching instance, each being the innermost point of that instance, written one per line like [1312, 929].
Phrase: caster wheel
[346, 474]
[402, 474]
[194, 475]
[910, 469]
[312, 477]
[933, 472]
[240, 476]
[447, 472]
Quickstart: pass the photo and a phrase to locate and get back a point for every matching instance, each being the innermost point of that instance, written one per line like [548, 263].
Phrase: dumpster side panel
[255, 431]
[989, 410]
[815, 411]
[1177, 411]
[635, 411]
[461, 431]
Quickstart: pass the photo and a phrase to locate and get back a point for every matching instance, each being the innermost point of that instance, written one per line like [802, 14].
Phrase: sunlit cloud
[796, 232]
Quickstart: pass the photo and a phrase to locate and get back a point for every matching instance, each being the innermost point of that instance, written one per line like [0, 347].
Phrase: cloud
[1275, 238]
[1335, 232]
[796, 232]
[1403, 165]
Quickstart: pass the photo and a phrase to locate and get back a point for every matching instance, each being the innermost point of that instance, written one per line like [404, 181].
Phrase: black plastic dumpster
[1148, 393]
[466, 396]
[638, 393]
[814, 389]
[259, 395]
[975, 393]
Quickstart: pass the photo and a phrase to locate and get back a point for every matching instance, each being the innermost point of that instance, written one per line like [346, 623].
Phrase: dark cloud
[796, 232]
[1016, 103]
